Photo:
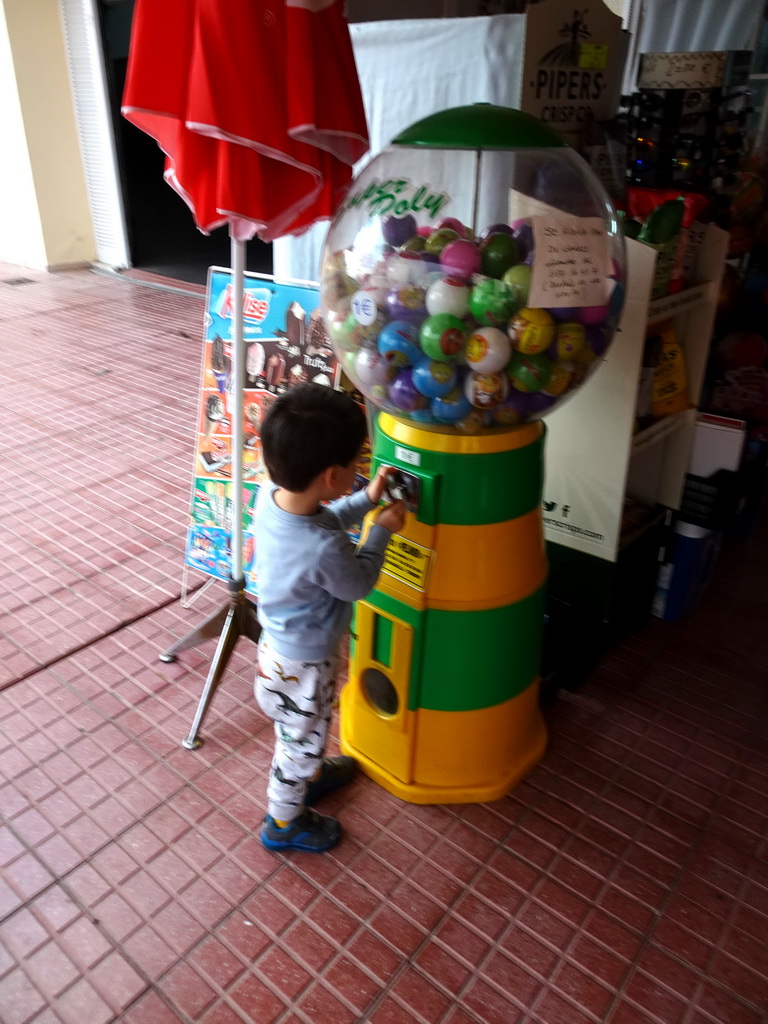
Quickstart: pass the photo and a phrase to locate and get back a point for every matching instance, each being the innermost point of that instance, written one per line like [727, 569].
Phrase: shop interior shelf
[658, 431]
[681, 302]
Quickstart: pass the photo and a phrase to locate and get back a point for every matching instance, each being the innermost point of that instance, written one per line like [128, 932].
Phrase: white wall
[21, 233]
[44, 216]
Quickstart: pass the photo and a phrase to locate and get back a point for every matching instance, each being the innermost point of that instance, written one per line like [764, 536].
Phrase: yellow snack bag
[670, 381]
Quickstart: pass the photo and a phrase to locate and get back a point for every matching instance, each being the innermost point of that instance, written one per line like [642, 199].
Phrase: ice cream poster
[285, 344]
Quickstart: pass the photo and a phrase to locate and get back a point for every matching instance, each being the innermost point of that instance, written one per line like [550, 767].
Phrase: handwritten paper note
[571, 262]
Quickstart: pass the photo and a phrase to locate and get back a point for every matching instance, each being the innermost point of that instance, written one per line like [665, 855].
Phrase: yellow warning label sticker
[407, 562]
[593, 55]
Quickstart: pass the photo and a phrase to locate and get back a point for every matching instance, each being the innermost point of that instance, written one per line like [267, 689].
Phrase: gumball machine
[471, 282]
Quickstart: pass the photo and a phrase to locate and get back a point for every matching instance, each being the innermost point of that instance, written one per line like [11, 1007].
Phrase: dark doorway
[162, 235]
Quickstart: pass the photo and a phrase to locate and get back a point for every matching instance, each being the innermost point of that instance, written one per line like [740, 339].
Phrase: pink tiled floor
[623, 881]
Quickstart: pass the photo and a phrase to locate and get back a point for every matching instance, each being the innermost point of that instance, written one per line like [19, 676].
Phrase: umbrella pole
[238, 617]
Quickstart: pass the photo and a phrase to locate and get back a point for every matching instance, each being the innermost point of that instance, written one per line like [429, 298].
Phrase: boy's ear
[330, 477]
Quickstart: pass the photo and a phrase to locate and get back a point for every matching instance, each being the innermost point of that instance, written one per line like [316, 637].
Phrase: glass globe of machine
[471, 282]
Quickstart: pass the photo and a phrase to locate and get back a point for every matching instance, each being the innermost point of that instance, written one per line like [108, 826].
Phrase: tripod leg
[226, 645]
[249, 622]
[207, 630]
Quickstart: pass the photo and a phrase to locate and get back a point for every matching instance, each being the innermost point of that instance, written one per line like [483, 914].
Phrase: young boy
[309, 573]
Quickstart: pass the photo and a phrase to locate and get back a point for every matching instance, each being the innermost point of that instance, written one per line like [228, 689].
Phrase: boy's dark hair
[307, 430]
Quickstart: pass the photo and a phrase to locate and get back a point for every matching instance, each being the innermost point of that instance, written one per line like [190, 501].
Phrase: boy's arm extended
[350, 573]
[351, 508]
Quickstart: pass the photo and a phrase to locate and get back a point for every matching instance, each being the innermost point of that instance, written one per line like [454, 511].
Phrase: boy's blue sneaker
[311, 831]
[336, 772]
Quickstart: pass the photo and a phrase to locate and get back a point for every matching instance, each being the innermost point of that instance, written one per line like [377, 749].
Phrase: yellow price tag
[593, 55]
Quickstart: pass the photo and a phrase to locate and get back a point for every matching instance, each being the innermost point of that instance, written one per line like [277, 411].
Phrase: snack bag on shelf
[670, 380]
[651, 354]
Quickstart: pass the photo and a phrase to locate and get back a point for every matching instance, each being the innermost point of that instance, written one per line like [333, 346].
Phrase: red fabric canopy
[256, 104]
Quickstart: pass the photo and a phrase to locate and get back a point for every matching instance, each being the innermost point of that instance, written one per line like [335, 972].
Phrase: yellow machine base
[447, 764]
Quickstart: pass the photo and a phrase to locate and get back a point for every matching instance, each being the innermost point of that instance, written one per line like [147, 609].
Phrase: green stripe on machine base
[473, 489]
[459, 661]
[475, 659]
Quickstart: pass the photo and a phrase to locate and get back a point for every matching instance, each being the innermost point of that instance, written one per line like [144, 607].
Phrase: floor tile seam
[649, 1013]
[572, 833]
[429, 933]
[84, 974]
[124, 624]
[109, 274]
[477, 974]
[248, 966]
[55, 935]
[423, 855]
[408, 963]
[607, 881]
[57, 563]
[292, 1001]
[584, 1010]
[341, 952]
[734, 993]
[696, 704]
[407, 876]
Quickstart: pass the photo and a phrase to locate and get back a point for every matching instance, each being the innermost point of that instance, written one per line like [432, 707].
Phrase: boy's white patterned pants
[298, 697]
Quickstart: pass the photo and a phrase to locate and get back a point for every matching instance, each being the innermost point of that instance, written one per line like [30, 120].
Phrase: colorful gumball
[499, 253]
[564, 312]
[513, 410]
[438, 240]
[403, 394]
[451, 407]
[461, 258]
[397, 230]
[559, 379]
[455, 225]
[448, 295]
[531, 330]
[486, 390]
[415, 244]
[405, 268]
[523, 235]
[433, 378]
[492, 303]
[364, 306]
[367, 333]
[518, 280]
[570, 339]
[495, 229]
[540, 403]
[429, 279]
[372, 368]
[442, 336]
[378, 287]
[398, 342]
[487, 350]
[597, 340]
[591, 316]
[341, 329]
[505, 415]
[529, 372]
[336, 288]
[406, 302]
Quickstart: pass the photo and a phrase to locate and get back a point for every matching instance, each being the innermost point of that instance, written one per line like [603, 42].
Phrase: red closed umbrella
[256, 104]
[257, 107]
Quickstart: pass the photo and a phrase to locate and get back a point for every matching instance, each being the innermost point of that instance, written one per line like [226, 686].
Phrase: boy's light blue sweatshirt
[309, 572]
